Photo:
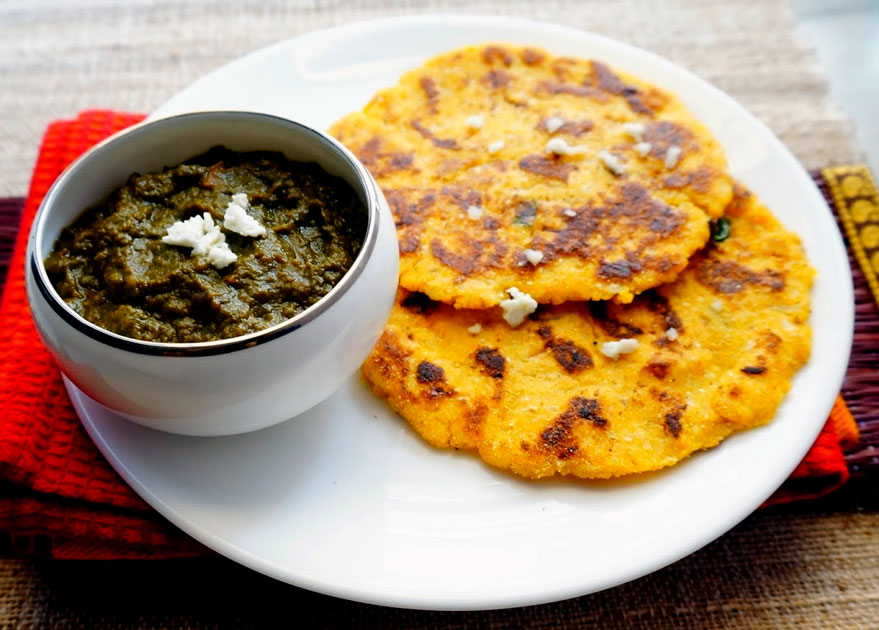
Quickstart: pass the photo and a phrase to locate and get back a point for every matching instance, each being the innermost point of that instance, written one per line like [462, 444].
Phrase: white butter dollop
[553, 123]
[212, 237]
[494, 147]
[204, 237]
[220, 255]
[476, 121]
[560, 146]
[635, 130]
[643, 148]
[533, 256]
[518, 307]
[672, 155]
[474, 212]
[613, 349]
[186, 233]
[611, 162]
[237, 220]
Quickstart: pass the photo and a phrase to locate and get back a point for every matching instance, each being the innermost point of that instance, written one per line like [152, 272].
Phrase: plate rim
[733, 517]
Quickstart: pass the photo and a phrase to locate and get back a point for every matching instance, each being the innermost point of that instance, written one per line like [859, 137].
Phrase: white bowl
[231, 385]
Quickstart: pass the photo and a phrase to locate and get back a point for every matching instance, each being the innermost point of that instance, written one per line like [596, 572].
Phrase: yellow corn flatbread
[510, 167]
[696, 360]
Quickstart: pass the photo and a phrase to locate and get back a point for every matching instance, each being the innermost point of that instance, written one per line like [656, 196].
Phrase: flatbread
[460, 149]
[716, 352]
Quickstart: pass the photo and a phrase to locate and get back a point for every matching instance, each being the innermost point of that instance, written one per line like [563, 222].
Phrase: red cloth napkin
[63, 499]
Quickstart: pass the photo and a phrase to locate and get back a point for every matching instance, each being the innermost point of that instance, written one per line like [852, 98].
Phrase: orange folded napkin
[61, 496]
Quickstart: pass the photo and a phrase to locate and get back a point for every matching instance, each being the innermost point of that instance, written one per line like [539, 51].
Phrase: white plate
[346, 500]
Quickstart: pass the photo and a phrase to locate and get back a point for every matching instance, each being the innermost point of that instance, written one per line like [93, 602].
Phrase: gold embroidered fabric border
[857, 201]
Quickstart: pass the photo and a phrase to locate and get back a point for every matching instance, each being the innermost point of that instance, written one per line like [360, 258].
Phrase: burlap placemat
[785, 568]
[62, 57]
[773, 572]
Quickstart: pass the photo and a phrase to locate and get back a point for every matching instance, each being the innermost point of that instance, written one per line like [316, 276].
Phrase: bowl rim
[218, 346]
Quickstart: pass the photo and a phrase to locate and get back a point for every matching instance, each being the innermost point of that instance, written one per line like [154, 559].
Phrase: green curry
[112, 267]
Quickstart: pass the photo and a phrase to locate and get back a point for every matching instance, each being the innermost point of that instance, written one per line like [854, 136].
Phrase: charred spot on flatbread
[559, 439]
[491, 361]
[434, 377]
[673, 422]
[543, 166]
[729, 277]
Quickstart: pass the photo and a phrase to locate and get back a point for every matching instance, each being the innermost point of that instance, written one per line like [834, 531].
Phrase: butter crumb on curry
[237, 220]
[187, 233]
[204, 237]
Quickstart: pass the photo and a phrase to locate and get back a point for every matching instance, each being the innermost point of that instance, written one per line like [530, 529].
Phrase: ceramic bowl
[231, 385]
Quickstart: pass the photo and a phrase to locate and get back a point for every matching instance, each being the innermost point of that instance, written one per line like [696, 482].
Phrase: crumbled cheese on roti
[635, 130]
[494, 147]
[474, 212]
[643, 148]
[476, 121]
[613, 349]
[611, 162]
[553, 123]
[717, 305]
[671, 334]
[569, 213]
[519, 306]
[237, 220]
[560, 146]
[533, 256]
[672, 155]
[475, 329]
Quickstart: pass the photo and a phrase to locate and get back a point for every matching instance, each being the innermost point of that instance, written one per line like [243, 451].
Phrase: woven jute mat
[57, 58]
[803, 567]
[775, 571]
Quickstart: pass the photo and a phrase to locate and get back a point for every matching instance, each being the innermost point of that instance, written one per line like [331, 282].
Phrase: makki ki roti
[716, 352]
[460, 147]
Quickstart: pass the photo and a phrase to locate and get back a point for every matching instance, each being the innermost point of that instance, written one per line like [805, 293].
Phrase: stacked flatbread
[584, 289]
